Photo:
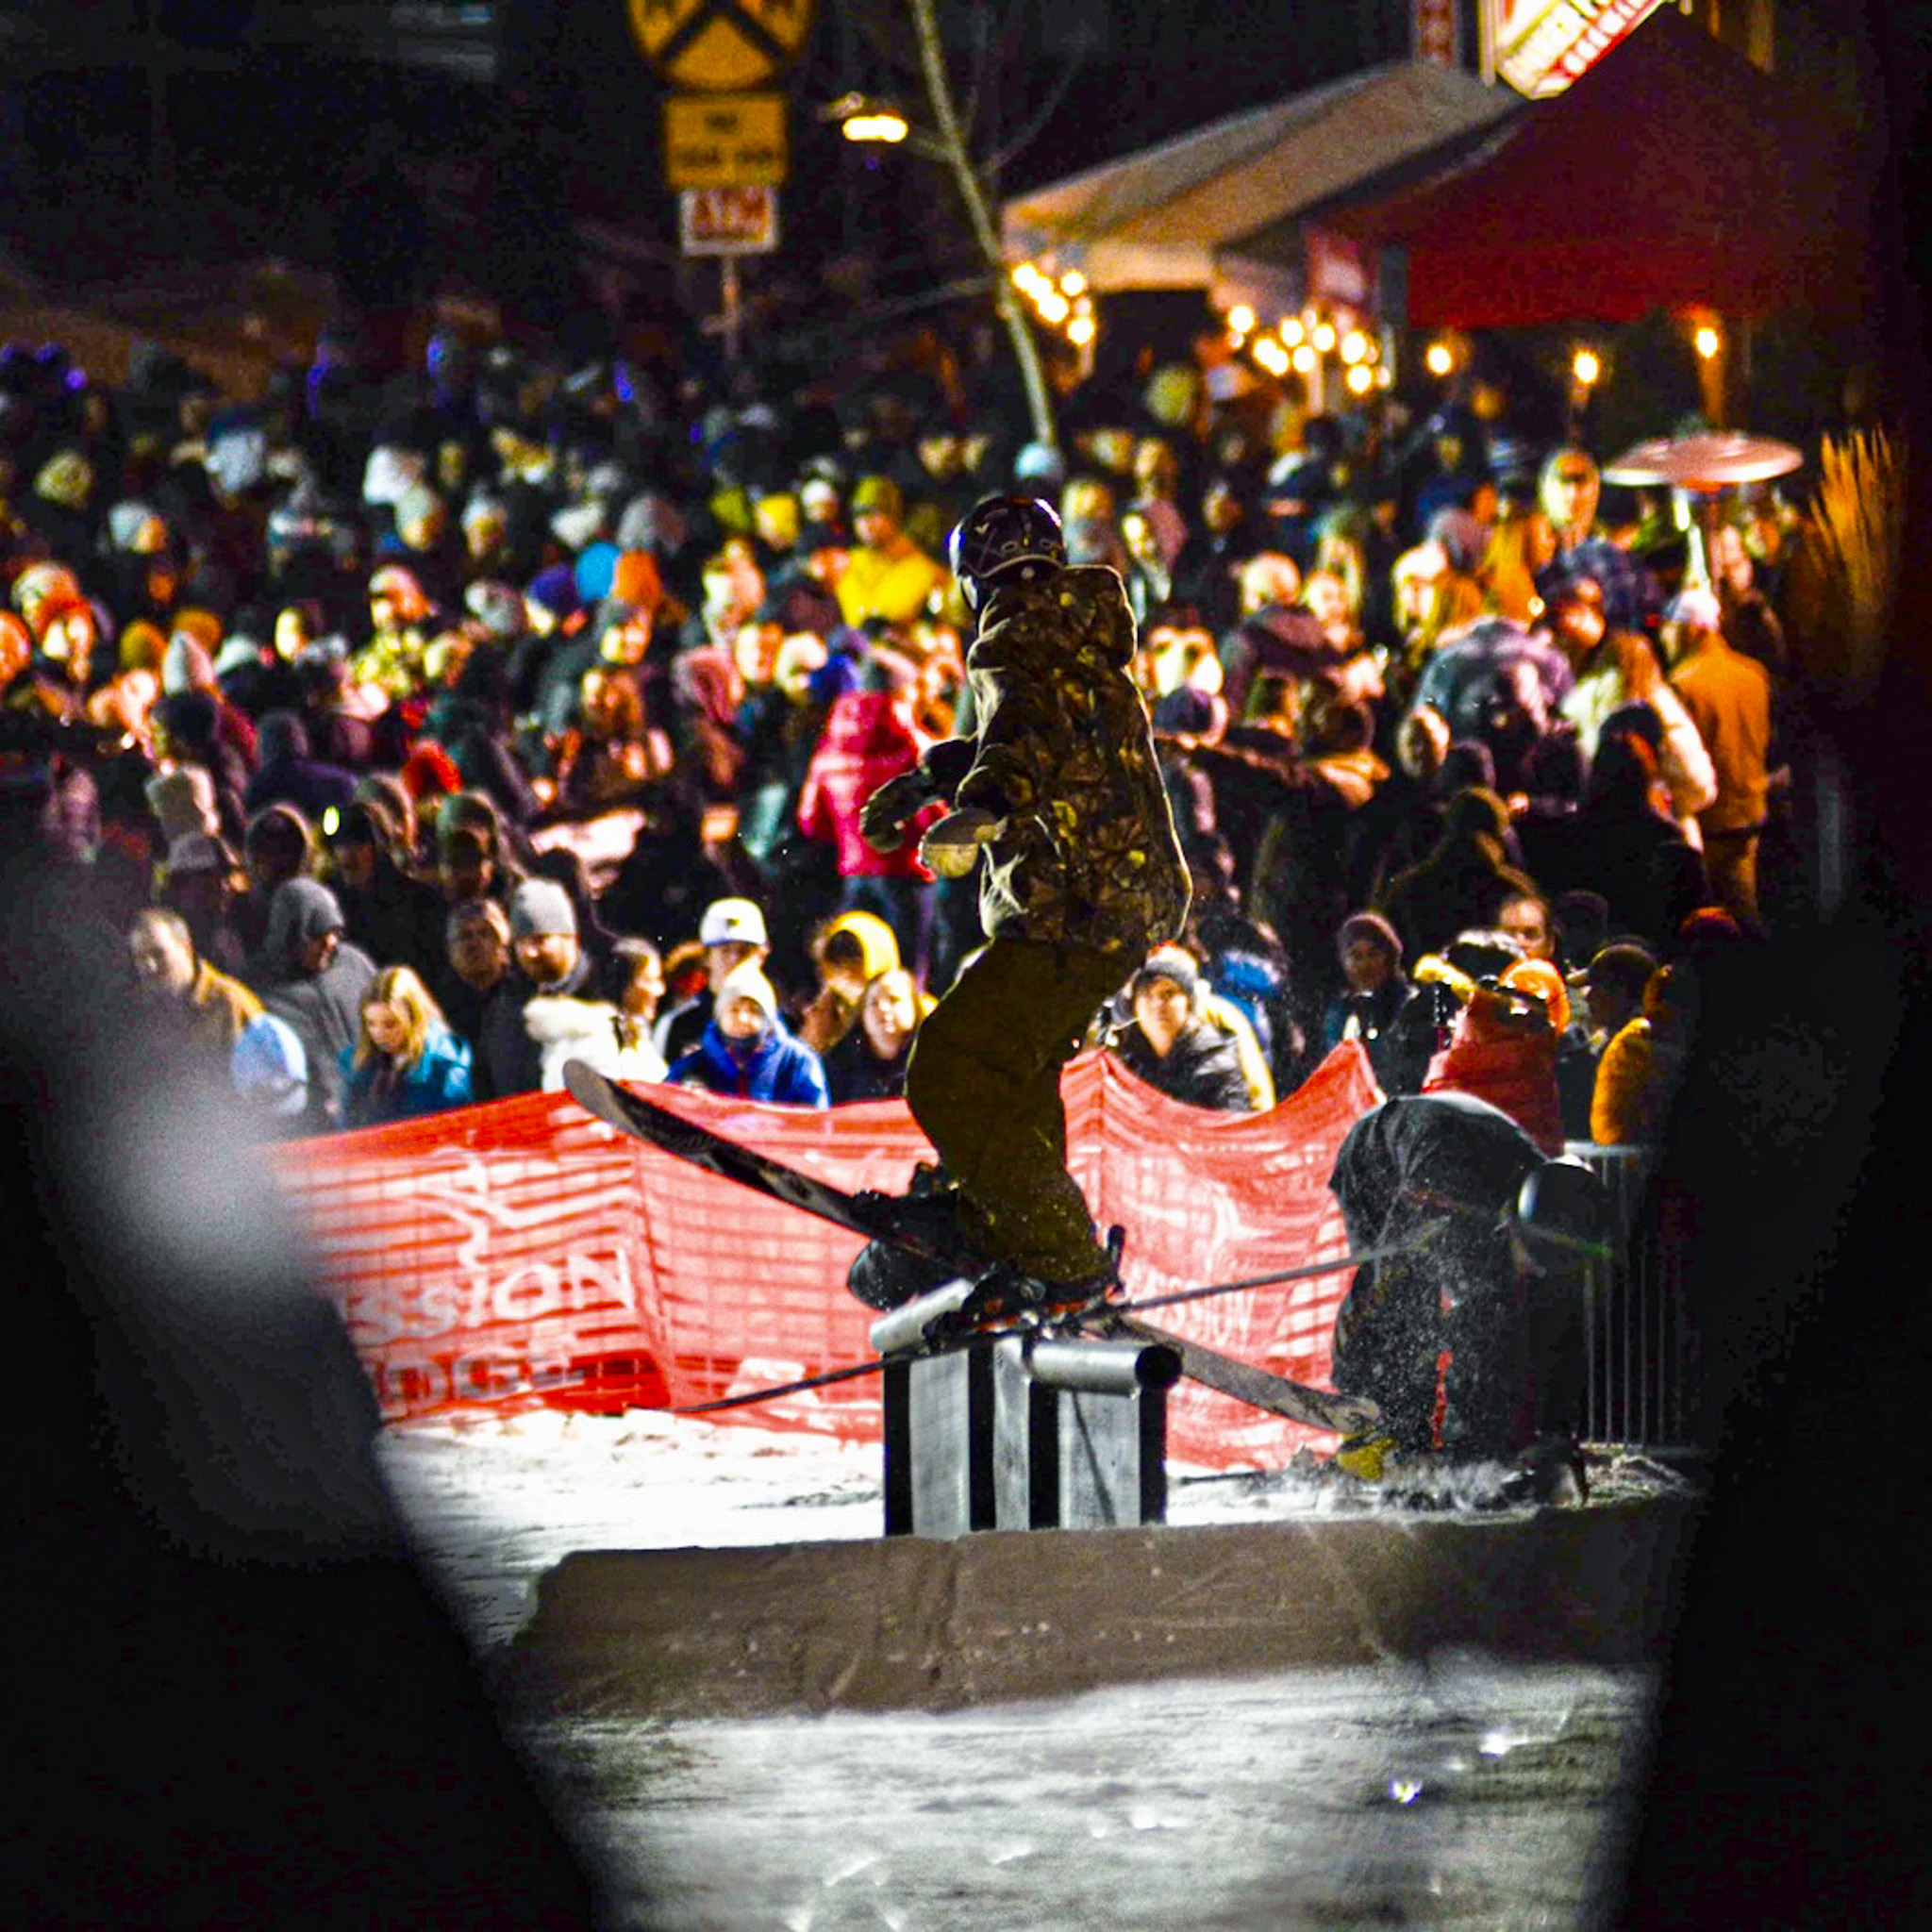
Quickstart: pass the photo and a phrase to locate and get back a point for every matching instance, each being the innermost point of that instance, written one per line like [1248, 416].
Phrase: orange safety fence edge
[522, 1255]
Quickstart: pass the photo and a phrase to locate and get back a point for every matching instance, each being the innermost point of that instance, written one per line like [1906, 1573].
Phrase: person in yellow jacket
[887, 575]
[213, 1008]
[1637, 1078]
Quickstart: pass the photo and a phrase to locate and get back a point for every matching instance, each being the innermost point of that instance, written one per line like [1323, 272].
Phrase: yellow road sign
[724, 140]
[720, 46]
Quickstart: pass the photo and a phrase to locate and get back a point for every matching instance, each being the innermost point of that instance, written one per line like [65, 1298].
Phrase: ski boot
[1005, 1293]
[890, 1271]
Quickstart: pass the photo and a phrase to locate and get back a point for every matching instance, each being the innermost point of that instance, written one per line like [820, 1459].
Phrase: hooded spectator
[313, 978]
[747, 1050]
[1463, 879]
[395, 919]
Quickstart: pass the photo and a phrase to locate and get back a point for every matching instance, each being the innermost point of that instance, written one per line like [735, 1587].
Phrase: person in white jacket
[1616, 668]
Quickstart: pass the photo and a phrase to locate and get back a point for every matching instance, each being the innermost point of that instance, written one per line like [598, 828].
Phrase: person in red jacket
[1504, 1050]
[868, 737]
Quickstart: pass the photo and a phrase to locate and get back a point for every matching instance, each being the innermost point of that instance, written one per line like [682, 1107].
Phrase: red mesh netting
[523, 1254]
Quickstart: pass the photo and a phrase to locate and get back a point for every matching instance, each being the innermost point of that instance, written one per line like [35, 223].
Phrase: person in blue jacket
[747, 1051]
[405, 1061]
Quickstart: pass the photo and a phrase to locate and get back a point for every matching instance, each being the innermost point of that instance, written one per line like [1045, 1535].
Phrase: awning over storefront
[1674, 174]
[1155, 219]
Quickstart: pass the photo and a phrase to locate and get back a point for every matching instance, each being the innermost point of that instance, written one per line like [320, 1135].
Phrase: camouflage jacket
[1063, 752]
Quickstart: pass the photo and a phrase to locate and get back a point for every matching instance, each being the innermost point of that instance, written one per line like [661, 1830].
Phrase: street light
[886, 126]
[862, 119]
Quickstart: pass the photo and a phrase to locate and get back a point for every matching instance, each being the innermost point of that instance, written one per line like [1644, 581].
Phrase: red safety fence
[523, 1253]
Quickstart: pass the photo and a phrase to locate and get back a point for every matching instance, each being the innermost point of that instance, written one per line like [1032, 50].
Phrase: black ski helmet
[1560, 1214]
[1001, 534]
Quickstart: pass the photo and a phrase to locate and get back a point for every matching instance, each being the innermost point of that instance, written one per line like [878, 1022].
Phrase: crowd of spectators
[413, 734]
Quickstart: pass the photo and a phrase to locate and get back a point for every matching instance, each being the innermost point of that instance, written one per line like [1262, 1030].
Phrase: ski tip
[586, 1085]
[597, 1095]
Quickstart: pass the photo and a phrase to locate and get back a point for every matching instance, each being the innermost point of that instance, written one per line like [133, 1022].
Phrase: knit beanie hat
[555, 590]
[1168, 962]
[594, 572]
[183, 801]
[747, 982]
[540, 908]
[1373, 926]
[635, 580]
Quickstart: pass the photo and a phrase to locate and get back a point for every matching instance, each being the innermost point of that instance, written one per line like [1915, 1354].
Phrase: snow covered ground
[1466, 1792]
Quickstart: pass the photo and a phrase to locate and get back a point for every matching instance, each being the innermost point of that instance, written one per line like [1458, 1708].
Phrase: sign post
[729, 223]
[726, 150]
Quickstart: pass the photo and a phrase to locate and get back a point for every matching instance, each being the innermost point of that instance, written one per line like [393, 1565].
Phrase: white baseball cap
[726, 920]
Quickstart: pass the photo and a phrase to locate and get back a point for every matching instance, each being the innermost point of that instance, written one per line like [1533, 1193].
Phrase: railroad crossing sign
[720, 46]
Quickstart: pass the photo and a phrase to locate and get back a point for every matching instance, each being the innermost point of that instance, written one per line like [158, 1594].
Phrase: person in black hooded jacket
[1171, 1047]
[310, 976]
[398, 921]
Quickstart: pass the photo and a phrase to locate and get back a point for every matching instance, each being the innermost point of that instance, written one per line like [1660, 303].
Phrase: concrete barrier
[907, 1623]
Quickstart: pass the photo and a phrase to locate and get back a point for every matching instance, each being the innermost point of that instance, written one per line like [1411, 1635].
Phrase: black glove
[884, 816]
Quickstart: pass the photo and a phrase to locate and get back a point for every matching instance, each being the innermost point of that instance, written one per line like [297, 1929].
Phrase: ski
[1318, 1408]
[646, 1120]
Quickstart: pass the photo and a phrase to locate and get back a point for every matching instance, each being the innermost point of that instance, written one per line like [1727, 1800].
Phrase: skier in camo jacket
[1057, 797]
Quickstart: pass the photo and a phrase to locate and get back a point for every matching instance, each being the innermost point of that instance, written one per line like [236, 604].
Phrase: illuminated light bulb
[1361, 378]
[1323, 335]
[1271, 356]
[1053, 306]
[1385, 376]
[1305, 359]
[1240, 319]
[1439, 359]
[1073, 282]
[1355, 347]
[1080, 331]
[880, 126]
[1026, 275]
[1586, 366]
[1708, 341]
[1292, 332]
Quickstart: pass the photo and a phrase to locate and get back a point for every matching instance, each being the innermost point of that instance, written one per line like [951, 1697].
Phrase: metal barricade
[1639, 1346]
